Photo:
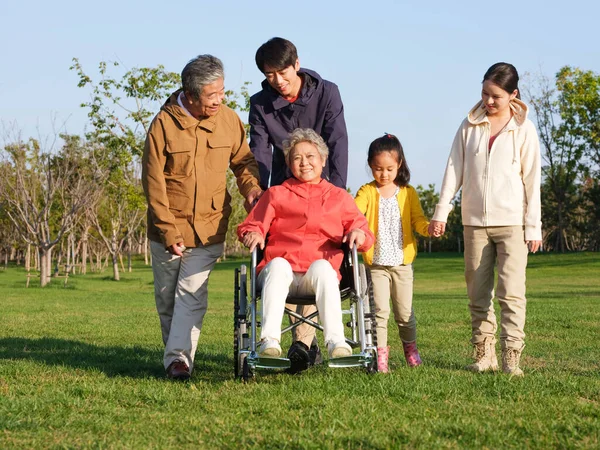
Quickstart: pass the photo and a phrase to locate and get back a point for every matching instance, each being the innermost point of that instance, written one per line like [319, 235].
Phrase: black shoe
[314, 354]
[299, 357]
[178, 370]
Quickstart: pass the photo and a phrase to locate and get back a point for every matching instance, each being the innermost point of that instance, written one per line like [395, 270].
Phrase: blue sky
[408, 68]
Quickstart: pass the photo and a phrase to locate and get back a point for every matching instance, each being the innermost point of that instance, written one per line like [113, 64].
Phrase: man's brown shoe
[178, 370]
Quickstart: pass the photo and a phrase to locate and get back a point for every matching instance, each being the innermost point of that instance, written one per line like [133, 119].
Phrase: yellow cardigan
[411, 213]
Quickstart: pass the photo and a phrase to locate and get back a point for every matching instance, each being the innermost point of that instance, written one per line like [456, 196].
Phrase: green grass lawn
[81, 367]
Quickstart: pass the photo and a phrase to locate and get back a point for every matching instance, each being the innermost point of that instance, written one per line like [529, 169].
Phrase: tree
[9, 235]
[567, 115]
[429, 199]
[120, 110]
[580, 109]
[238, 212]
[44, 192]
[454, 226]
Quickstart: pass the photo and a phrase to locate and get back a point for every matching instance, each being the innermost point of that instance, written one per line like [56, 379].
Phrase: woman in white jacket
[495, 158]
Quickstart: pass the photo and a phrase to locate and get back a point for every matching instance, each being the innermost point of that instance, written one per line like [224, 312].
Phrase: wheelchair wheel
[236, 324]
[240, 336]
[370, 321]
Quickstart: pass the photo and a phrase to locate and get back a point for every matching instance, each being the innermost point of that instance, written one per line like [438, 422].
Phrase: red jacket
[305, 222]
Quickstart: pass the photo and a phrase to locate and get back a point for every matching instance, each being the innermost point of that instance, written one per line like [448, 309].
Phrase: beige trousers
[395, 282]
[181, 294]
[506, 248]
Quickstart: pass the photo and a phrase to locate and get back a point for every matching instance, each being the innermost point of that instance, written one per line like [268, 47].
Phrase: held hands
[356, 236]
[252, 198]
[252, 239]
[437, 228]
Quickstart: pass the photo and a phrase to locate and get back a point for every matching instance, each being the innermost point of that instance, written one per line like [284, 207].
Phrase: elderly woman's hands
[356, 236]
[252, 239]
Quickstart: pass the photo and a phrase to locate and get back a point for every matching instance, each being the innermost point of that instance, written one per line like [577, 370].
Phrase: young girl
[495, 158]
[392, 209]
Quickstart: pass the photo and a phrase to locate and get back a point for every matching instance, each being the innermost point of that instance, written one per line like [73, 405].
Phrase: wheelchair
[356, 291]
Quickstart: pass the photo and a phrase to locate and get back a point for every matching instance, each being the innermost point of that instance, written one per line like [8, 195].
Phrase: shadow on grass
[134, 362]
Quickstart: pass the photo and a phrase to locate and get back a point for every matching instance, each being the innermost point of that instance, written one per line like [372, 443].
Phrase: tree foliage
[43, 192]
[568, 112]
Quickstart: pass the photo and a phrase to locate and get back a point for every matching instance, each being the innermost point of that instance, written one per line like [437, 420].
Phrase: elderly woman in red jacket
[307, 219]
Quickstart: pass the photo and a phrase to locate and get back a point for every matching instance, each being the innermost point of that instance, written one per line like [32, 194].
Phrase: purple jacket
[319, 106]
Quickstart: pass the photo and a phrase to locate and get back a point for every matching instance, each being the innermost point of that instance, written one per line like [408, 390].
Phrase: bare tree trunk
[145, 250]
[114, 253]
[459, 243]
[84, 250]
[129, 249]
[68, 263]
[5, 260]
[48, 263]
[45, 257]
[58, 260]
[28, 258]
[115, 263]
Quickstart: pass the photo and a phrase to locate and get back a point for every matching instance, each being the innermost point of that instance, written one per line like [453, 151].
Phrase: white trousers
[277, 280]
[181, 294]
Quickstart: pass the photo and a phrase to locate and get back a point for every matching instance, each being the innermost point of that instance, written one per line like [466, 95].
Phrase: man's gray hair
[304, 135]
[200, 71]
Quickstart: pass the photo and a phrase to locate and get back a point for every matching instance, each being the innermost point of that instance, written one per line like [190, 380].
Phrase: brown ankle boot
[510, 361]
[485, 356]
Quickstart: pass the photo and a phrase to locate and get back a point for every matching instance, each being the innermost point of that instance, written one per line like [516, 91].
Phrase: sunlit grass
[81, 368]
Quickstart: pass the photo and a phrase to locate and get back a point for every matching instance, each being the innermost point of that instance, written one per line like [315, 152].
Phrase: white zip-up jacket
[500, 187]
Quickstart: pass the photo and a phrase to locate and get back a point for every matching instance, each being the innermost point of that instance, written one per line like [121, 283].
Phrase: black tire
[246, 372]
[236, 324]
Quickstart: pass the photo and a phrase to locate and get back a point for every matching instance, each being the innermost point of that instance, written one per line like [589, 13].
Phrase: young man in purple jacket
[293, 97]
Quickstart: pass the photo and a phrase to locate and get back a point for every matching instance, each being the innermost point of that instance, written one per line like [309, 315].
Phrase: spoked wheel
[240, 336]
[366, 284]
[236, 325]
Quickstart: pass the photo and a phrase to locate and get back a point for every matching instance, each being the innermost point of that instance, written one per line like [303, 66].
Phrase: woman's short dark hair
[277, 53]
[504, 75]
[390, 143]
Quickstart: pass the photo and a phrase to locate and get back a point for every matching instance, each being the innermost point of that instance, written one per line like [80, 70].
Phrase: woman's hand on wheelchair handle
[356, 236]
[252, 239]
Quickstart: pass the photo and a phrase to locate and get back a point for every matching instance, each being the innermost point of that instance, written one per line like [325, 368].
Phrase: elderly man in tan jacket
[191, 143]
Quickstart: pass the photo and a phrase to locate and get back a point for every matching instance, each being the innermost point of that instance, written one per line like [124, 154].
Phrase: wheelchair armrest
[349, 263]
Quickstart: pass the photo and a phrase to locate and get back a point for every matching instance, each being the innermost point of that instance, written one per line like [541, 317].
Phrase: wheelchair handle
[355, 268]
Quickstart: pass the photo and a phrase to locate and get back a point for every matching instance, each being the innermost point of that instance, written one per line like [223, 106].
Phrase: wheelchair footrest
[264, 362]
[357, 360]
